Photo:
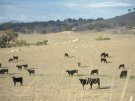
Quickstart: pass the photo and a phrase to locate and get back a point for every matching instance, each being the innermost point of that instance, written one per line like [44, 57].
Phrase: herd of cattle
[4, 70]
[90, 80]
[83, 82]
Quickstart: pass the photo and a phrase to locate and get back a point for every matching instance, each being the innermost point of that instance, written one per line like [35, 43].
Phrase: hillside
[127, 20]
[69, 24]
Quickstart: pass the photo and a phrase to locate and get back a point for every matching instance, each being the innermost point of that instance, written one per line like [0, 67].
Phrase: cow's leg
[91, 86]
[98, 85]
[72, 74]
[14, 83]
[83, 86]
[20, 83]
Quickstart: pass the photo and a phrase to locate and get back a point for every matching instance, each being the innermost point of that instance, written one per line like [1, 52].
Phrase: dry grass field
[52, 83]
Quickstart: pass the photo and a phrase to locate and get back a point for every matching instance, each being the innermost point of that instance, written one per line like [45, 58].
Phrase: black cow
[104, 54]
[83, 82]
[18, 79]
[25, 66]
[10, 60]
[66, 55]
[123, 74]
[15, 58]
[5, 70]
[31, 71]
[104, 60]
[92, 81]
[2, 72]
[19, 66]
[94, 71]
[79, 64]
[121, 65]
[71, 72]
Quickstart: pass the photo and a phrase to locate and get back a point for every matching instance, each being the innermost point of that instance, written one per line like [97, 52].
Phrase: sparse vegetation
[44, 42]
[102, 38]
[21, 43]
[6, 37]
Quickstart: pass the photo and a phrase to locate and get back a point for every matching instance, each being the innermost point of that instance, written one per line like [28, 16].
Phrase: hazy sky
[44, 10]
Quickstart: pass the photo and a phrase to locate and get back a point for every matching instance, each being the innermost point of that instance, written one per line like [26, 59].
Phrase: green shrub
[102, 38]
[99, 38]
[134, 33]
[44, 42]
[39, 43]
[20, 43]
[107, 38]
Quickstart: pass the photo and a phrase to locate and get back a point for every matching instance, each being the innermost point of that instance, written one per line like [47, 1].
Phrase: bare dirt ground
[52, 83]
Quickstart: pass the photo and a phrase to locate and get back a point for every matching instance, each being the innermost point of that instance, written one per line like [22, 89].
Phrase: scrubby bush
[6, 37]
[98, 26]
[44, 42]
[102, 38]
[18, 43]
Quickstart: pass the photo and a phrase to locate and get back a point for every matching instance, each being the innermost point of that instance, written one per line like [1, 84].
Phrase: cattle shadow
[107, 87]
[102, 75]
[109, 61]
[80, 75]
[71, 56]
[18, 61]
[4, 67]
[34, 68]
[3, 77]
[84, 66]
[132, 77]
[12, 73]
[110, 56]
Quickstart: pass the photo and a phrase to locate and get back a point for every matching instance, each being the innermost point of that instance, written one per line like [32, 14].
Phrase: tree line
[46, 27]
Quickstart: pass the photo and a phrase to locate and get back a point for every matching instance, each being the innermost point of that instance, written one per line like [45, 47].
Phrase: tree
[134, 9]
[99, 19]
[129, 10]
[6, 37]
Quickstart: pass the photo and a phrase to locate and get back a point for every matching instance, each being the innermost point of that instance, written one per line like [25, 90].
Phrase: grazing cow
[104, 60]
[15, 58]
[5, 70]
[19, 66]
[94, 71]
[121, 65]
[123, 74]
[83, 82]
[79, 64]
[2, 72]
[25, 66]
[18, 79]
[31, 71]
[71, 72]
[106, 55]
[10, 60]
[103, 54]
[66, 55]
[92, 81]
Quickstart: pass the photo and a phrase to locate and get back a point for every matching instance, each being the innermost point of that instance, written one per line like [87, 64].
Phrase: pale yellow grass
[52, 83]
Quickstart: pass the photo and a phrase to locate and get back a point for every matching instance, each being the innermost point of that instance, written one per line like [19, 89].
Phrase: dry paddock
[52, 83]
